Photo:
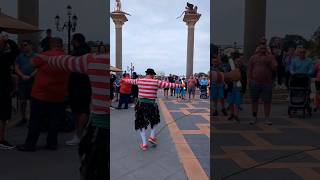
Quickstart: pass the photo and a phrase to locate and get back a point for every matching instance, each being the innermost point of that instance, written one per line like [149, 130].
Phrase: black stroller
[299, 94]
[203, 92]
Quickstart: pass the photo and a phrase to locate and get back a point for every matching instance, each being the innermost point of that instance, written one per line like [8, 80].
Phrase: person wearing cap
[8, 53]
[146, 109]
[302, 64]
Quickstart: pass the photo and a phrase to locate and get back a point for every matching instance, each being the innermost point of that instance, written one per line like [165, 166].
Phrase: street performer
[146, 109]
[93, 148]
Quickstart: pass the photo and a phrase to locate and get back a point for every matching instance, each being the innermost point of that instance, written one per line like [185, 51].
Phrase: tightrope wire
[268, 162]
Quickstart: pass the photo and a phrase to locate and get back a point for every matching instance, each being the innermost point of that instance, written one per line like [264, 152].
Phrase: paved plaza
[238, 146]
[62, 164]
[183, 143]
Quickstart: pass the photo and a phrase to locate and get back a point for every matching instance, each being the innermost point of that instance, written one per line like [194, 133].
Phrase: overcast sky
[154, 38]
[283, 17]
[92, 16]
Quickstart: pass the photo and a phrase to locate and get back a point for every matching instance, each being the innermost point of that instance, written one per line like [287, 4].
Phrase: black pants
[172, 91]
[40, 111]
[95, 155]
[280, 75]
[124, 98]
[287, 75]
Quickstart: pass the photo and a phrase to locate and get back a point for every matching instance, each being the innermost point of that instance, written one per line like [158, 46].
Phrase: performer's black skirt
[146, 114]
[94, 154]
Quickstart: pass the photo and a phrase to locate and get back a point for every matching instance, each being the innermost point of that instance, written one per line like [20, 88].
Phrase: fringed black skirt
[146, 114]
[94, 154]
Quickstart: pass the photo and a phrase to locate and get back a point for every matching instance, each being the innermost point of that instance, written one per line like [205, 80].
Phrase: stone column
[255, 25]
[119, 18]
[191, 20]
[28, 11]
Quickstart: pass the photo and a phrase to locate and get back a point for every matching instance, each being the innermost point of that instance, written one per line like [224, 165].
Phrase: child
[217, 94]
[178, 89]
[235, 95]
[317, 84]
[183, 89]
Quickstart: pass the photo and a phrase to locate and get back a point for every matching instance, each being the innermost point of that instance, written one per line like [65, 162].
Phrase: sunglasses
[25, 45]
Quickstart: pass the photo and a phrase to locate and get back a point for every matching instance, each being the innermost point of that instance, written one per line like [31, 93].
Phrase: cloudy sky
[154, 38]
[283, 17]
[92, 16]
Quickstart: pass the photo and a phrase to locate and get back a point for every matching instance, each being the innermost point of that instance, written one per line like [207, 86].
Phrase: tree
[315, 43]
[295, 40]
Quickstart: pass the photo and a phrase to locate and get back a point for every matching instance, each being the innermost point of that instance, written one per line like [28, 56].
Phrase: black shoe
[126, 108]
[224, 112]
[118, 108]
[26, 148]
[6, 145]
[51, 147]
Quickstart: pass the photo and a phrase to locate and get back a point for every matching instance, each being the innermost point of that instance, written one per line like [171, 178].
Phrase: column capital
[191, 19]
[119, 18]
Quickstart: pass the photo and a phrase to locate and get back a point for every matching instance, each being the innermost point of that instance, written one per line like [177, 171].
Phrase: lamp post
[131, 69]
[70, 24]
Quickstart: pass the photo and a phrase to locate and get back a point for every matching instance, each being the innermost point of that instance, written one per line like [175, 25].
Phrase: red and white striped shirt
[97, 68]
[148, 87]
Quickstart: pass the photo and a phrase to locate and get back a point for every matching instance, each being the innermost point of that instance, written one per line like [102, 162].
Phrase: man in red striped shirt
[146, 108]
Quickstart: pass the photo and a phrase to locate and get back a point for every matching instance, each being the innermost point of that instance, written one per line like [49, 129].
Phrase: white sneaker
[132, 106]
[74, 141]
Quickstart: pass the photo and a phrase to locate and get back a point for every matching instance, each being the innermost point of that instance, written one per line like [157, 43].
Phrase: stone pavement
[183, 149]
[62, 164]
[237, 146]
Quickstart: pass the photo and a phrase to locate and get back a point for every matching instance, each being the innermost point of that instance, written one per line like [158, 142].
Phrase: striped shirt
[97, 68]
[148, 87]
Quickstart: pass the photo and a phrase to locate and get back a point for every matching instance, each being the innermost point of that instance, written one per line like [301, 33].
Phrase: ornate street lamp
[70, 24]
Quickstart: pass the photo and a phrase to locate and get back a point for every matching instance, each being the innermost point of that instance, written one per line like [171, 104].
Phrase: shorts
[5, 105]
[178, 90]
[262, 91]
[217, 92]
[183, 92]
[192, 91]
[235, 97]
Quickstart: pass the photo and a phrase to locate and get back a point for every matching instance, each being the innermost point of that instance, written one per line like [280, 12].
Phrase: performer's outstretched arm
[163, 84]
[131, 81]
[79, 64]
